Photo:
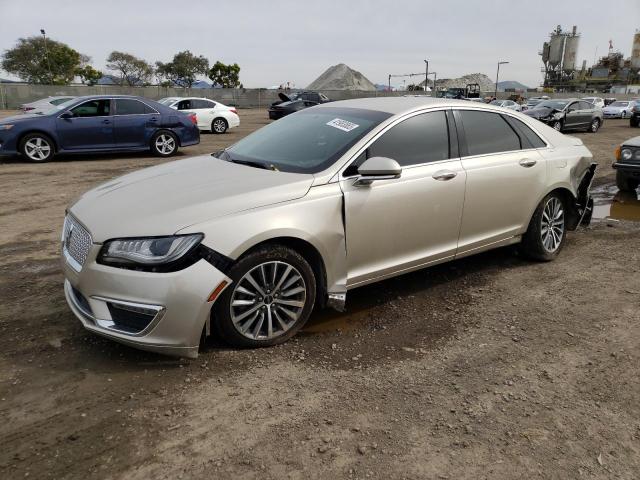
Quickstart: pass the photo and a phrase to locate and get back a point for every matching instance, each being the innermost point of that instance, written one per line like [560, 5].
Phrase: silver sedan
[510, 104]
[245, 243]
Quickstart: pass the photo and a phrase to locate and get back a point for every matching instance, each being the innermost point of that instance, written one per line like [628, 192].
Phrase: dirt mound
[341, 77]
[486, 85]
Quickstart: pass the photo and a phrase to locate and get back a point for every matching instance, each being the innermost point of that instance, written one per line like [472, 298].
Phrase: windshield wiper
[224, 155]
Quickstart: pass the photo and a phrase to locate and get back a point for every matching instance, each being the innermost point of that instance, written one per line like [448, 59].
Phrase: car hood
[23, 117]
[165, 199]
[541, 112]
[613, 109]
[632, 142]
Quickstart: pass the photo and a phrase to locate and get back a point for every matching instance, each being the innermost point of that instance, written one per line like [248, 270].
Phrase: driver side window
[92, 108]
[420, 139]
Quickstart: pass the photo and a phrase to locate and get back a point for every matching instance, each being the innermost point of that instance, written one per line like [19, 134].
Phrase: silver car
[619, 109]
[44, 104]
[510, 104]
[245, 243]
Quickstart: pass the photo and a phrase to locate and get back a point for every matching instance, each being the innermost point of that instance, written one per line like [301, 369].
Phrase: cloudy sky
[278, 40]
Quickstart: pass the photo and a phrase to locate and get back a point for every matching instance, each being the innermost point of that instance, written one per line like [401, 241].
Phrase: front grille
[76, 240]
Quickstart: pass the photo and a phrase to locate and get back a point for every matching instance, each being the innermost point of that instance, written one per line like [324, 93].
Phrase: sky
[277, 41]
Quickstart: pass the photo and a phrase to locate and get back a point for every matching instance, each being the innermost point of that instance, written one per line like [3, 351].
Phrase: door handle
[444, 175]
[153, 119]
[106, 121]
[527, 162]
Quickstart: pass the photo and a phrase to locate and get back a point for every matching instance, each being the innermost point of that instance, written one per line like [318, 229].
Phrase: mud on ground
[488, 367]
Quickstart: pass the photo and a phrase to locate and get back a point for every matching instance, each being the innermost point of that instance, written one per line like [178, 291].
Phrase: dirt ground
[490, 367]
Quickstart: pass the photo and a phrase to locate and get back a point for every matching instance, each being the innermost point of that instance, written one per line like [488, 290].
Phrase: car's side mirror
[66, 115]
[377, 168]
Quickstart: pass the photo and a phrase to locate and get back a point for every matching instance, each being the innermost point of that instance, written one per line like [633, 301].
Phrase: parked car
[568, 114]
[618, 109]
[533, 101]
[597, 101]
[101, 123]
[634, 119]
[300, 212]
[627, 165]
[211, 115]
[295, 102]
[507, 104]
[44, 104]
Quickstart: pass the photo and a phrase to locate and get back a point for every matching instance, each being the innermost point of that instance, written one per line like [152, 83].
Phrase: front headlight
[148, 251]
[6, 126]
[626, 154]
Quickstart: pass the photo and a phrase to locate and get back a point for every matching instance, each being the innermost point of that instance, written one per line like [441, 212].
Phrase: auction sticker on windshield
[343, 125]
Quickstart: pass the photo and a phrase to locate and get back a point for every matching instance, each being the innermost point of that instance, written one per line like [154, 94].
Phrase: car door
[204, 110]
[401, 224]
[134, 123]
[505, 177]
[574, 117]
[90, 126]
[587, 111]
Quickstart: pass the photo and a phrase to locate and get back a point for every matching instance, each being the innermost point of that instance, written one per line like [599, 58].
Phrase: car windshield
[619, 104]
[167, 101]
[308, 141]
[554, 104]
[60, 106]
[58, 101]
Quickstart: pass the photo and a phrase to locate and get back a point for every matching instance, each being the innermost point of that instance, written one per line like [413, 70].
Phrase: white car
[619, 109]
[44, 104]
[597, 101]
[211, 116]
[507, 104]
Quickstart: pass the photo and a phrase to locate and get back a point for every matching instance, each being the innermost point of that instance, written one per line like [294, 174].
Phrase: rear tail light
[193, 118]
[233, 110]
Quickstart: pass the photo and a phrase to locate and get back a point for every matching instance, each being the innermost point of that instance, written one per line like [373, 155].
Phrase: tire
[219, 125]
[595, 125]
[164, 144]
[241, 314]
[623, 115]
[537, 244]
[37, 147]
[625, 183]
[557, 125]
[634, 122]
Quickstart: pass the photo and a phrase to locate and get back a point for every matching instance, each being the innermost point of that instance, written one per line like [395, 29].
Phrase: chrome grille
[76, 241]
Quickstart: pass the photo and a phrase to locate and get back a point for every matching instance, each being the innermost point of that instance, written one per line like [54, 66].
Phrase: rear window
[127, 106]
[488, 133]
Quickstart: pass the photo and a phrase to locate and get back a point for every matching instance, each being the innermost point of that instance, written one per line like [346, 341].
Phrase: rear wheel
[546, 234]
[595, 125]
[270, 300]
[219, 125]
[37, 147]
[625, 183]
[164, 144]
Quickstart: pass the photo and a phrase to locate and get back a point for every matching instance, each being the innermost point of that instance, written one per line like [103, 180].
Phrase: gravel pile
[341, 77]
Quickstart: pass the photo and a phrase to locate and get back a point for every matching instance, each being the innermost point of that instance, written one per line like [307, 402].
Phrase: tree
[227, 76]
[88, 74]
[131, 70]
[35, 61]
[184, 68]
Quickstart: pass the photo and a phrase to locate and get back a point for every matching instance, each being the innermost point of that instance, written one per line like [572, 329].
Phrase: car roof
[395, 105]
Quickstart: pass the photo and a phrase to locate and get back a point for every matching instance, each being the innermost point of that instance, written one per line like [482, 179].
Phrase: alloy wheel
[595, 125]
[552, 229]
[219, 126]
[268, 300]
[37, 149]
[557, 126]
[165, 144]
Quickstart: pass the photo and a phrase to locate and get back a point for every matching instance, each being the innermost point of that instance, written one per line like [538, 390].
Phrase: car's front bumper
[176, 303]
[632, 168]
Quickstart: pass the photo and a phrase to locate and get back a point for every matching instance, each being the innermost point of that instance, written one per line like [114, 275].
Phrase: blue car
[102, 123]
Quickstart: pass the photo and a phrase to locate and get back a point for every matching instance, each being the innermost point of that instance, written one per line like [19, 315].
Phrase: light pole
[426, 76]
[46, 55]
[497, 75]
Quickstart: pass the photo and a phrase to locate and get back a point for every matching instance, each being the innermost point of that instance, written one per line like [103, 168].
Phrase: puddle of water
[609, 202]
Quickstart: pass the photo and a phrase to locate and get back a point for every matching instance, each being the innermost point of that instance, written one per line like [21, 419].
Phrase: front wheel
[164, 144]
[557, 125]
[219, 125]
[270, 300]
[623, 114]
[624, 183]
[37, 147]
[595, 125]
[546, 234]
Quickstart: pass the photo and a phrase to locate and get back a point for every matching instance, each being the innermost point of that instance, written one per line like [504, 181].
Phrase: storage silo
[545, 52]
[556, 46]
[570, 53]
[635, 52]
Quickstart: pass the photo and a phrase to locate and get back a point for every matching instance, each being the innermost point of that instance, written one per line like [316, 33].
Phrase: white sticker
[343, 125]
